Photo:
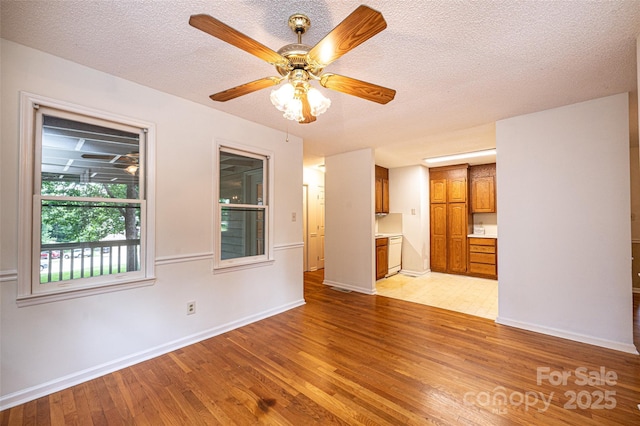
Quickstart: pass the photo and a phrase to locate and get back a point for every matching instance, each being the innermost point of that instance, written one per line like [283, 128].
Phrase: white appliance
[395, 254]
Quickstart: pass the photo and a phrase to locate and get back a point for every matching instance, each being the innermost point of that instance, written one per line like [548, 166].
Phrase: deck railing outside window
[68, 261]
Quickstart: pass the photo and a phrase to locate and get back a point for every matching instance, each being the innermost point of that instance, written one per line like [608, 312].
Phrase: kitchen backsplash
[389, 224]
[486, 221]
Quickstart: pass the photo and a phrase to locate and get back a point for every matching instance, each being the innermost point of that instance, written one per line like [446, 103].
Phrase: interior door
[320, 216]
[305, 226]
[312, 229]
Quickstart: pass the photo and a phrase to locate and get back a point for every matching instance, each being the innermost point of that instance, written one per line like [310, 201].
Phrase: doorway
[314, 227]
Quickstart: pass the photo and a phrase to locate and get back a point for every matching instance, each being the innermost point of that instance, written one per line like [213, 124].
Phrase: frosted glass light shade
[294, 110]
[284, 98]
[319, 104]
[281, 96]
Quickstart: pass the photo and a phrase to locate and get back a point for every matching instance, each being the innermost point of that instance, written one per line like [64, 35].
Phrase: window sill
[37, 299]
[221, 269]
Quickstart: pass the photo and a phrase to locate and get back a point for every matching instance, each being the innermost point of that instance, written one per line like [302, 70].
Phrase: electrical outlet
[191, 308]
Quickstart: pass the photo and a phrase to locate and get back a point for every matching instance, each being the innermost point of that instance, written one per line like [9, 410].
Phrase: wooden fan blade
[306, 110]
[361, 89]
[99, 156]
[222, 31]
[245, 89]
[360, 26]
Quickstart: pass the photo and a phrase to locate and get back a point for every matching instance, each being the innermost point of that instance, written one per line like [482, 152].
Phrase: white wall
[409, 196]
[565, 244]
[50, 346]
[635, 180]
[349, 212]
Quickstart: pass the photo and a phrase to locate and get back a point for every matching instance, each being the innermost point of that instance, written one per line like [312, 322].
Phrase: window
[243, 214]
[85, 195]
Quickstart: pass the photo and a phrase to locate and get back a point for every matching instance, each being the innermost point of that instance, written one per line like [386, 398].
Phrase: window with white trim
[84, 202]
[243, 217]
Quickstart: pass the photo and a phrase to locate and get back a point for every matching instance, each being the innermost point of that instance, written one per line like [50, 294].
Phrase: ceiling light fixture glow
[132, 169]
[289, 98]
[460, 156]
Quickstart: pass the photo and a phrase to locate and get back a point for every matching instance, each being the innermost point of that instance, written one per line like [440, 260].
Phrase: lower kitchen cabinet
[382, 257]
[483, 257]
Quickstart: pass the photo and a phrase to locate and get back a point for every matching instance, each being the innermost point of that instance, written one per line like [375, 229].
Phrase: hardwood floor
[348, 358]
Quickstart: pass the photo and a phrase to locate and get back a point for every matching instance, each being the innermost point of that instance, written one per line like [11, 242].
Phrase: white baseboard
[618, 346]
[29, 394]
[349, 287]
[411, 273]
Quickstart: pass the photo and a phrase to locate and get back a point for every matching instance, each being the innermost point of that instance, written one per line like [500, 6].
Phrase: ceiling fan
[128, 162]
[298, 63]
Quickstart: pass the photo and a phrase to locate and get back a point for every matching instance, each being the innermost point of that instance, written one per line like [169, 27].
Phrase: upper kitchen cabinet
[438, 191]
[382, 190]
[457, 186]
[483, 188]
[448, 184]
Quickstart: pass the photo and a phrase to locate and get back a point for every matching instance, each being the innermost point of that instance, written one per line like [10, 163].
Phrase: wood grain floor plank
[353, 359]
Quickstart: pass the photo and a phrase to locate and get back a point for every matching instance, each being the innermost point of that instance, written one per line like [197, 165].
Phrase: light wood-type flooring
[349, 358]
[460, 293]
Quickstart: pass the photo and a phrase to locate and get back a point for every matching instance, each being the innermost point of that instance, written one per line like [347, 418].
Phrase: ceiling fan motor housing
[296, 53]
[299, 23]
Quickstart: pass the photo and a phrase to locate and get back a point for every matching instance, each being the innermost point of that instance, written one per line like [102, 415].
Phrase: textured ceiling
[457, 66]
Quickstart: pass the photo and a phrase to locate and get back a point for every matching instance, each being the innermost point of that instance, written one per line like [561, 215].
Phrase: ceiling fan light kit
[298, 63]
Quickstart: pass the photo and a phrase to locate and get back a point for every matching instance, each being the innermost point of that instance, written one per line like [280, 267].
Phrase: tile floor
[473, 296]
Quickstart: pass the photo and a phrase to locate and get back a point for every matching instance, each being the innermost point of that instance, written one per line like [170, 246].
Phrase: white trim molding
[182, 258]
[618, 346]
[8, 275]
[349, 287]
[288, 246]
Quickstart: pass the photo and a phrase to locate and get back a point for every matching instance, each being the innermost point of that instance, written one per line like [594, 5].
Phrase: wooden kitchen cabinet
[457, 229]
[382, 190]
[483, 188]
[382, 257]
[457, 188]
[438, 190]
[483, 257]
[438, 220]
[449, 220]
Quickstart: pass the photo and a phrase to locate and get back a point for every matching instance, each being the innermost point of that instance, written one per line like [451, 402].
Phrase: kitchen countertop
[482, 236]
[382, 235]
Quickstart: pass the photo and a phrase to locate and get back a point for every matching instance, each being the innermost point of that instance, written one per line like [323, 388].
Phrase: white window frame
[30, 292]
[226, 265]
